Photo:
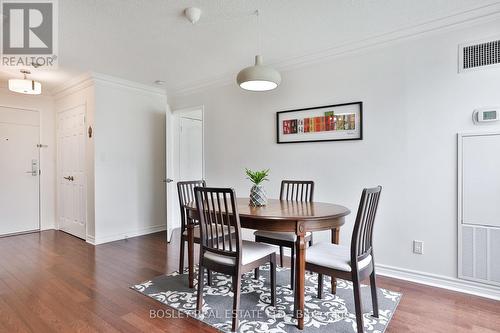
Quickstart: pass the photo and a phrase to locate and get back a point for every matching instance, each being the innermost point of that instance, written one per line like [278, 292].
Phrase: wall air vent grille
[479, 55]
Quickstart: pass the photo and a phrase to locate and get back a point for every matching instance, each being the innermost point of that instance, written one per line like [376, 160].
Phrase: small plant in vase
[257, 194]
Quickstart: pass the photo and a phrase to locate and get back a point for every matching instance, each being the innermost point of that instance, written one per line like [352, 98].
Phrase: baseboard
[48, 227]
[124, 235]
[90, 240]
[440, 281]
[434, 280]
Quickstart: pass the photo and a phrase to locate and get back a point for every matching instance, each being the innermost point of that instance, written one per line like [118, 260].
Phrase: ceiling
[148, 40]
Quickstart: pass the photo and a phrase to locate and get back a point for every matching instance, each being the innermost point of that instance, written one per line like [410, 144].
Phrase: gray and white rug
[333, 313]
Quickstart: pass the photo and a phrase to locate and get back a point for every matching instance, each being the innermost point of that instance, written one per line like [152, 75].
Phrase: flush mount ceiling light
[25, 86]
[193, 14]
[258, 77]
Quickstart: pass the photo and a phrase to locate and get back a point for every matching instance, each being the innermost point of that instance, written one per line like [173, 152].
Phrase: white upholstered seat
[286, 236]
[251, 251]
[333, 256]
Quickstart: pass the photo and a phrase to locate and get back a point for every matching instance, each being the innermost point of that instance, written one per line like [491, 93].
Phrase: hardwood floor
[53, 282]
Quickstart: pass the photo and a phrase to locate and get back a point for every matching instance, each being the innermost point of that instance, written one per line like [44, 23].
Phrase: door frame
[58, 164]
[173, 160]
[39, 146]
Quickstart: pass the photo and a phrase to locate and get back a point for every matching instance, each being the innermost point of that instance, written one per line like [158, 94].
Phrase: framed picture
[323, 123]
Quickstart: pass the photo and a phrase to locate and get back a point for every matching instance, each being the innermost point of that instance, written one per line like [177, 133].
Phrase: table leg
[300, 271]
[335, 240]
[190, 237]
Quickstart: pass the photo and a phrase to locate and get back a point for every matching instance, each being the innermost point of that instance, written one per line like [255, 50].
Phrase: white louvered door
[479, 208]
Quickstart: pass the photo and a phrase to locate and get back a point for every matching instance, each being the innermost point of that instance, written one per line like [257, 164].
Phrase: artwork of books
[324, 123]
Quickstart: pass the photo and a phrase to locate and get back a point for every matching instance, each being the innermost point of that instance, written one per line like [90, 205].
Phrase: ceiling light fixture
[258, 77]
[25, 86]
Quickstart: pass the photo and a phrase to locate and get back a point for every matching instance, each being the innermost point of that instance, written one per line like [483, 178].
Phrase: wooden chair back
[219, 221]
[362, 236]
[185, 190]
[297, 190]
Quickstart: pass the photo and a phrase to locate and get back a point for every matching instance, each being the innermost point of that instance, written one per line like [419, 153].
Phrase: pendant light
[25, 86]
[258, 77]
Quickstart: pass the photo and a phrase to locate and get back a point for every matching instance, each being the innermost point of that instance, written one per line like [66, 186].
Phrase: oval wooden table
[291, 216]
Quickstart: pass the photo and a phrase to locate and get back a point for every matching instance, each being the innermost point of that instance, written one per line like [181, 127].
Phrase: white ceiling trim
[73, 85]
[90, 78]
[454, 21]
[102, 78]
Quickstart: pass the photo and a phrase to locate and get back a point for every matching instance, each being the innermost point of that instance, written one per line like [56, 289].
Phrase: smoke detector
[192, 14]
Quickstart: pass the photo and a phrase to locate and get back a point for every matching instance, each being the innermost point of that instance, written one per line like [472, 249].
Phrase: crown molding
[454, 21]
[107, 79]
[73, 85]
[91, 78]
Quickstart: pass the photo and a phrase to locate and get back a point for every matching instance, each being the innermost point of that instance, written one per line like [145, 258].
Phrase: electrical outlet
[418, 247]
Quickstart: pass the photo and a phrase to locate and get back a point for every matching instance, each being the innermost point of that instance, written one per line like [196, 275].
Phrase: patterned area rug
[333, 313]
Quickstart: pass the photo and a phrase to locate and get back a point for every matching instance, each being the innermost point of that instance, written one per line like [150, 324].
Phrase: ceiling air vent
[479, 55]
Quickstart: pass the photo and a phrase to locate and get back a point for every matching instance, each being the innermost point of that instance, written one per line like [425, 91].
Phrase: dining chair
[185, 190]
[355, 263]
[291, 190]
[217, 211]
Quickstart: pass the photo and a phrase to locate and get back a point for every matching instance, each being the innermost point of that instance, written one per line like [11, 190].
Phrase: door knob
[168, 180]
[70, 178]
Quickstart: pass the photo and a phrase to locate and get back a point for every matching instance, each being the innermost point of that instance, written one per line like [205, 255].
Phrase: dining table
[288, 216]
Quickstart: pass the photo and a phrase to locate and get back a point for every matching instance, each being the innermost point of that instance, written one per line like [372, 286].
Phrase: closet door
[71, 178]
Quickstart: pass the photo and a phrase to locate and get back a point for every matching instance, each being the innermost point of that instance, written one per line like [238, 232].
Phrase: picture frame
[338, 122]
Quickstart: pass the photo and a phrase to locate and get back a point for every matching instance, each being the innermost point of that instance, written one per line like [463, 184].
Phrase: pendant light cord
[259, 32]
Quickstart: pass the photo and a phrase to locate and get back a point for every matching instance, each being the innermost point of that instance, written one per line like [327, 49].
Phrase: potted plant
[257, 194]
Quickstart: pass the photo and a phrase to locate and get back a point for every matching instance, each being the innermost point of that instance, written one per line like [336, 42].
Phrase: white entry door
[71, 178]
[19, 170]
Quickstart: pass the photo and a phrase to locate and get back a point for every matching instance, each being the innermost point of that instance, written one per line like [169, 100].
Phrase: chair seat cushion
[285, 236]
[333, 256]
[251, 252]
[196, 231]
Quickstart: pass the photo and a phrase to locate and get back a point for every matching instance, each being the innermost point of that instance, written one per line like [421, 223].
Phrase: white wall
[45, 105]
[129, 160]
[415, 102]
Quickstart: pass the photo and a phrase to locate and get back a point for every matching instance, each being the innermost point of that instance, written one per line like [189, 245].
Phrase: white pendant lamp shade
[25, 86]
[258, 77]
